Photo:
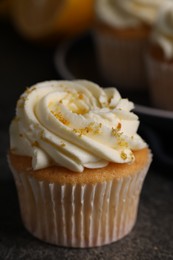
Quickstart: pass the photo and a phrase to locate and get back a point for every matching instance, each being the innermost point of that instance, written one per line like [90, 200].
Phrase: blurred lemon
[41, 19]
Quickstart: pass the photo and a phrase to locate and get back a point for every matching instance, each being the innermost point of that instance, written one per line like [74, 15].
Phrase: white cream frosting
[74, 124]
[127, 13]
[162, 32]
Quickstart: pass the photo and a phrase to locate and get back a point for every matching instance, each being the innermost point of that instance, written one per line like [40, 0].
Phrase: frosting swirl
[74, 124]
[162, 33]
[127, 13]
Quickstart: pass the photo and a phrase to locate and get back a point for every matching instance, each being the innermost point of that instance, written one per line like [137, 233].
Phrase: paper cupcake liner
[160, 78]
[78, 215]
[121, 61]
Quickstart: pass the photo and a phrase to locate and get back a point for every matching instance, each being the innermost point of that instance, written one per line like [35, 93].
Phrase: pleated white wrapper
[79, 215]
[121, 62]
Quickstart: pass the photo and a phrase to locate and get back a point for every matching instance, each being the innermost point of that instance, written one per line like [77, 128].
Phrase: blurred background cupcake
[160, 59]
[121, 34]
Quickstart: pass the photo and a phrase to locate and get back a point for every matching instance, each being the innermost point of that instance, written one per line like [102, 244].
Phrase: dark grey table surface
[22, 64]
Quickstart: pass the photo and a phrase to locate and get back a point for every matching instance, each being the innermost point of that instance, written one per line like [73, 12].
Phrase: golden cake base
[88, 209]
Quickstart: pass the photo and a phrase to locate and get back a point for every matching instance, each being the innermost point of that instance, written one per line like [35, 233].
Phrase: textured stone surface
[22, 64]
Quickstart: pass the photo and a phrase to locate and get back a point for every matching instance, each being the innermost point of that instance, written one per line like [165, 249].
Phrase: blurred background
[30, 33]
[49, 39]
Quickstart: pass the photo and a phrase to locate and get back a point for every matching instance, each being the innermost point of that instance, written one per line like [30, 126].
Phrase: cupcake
[121, 33]
[160, 59]
[78, 163]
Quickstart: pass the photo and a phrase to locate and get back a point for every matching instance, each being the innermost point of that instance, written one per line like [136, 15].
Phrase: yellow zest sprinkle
[81, 111]
[115, 132]
[81, 131]
[21, 105]
[62, 144]
[76, 131]
[42, 134]
[119, 126]
[21, 101]
[109, 100]
[60, 117]
[95, 129]
[35, 144]
[29, 90]
[123, 143]
[80, 95]
[123, 155]
[105, 104]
